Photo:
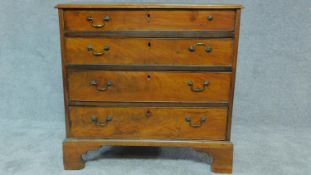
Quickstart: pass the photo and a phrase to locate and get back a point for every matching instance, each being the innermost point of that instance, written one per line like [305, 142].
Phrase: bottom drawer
[149, 122]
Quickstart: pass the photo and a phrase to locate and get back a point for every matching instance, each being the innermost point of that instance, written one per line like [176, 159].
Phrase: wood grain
[221, 151]
[148, 6]
[142, 20]
[144, 104]
[148, 86]
[149, 51]
[234, 68]
[222, 158]
[148, 123]
[152, 34]
[148, 67]
[64, 68]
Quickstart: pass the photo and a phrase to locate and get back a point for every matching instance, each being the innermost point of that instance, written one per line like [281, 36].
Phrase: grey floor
[272, 111]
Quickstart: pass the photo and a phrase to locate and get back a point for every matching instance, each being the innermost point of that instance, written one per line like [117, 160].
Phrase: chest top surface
[150, 6]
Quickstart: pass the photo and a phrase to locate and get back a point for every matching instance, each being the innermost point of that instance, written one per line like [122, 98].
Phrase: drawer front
[148, 86]
[101, 20]
[149, 51]
[142, 122]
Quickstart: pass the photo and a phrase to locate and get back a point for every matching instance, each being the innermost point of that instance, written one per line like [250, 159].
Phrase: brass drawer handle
[207, 48]
[189, 120]
[97, 53]
[205, 84]
[101, 124]
[90, 19]
[103, 88]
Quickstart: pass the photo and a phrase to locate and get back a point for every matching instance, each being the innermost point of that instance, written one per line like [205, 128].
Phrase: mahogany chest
[149, 75]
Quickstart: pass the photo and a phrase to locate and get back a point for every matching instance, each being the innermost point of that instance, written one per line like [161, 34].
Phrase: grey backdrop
[272, 111]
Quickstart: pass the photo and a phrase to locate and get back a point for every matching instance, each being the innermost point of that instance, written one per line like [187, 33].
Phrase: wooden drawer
[142, 122]
[148, 86]
[101, 20]
[149, 51]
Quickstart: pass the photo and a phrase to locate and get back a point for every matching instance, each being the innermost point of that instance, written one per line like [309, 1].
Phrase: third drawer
[149, 86]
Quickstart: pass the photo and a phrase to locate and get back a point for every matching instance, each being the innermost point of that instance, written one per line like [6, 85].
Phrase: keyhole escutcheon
[148, 77]
[148, 17]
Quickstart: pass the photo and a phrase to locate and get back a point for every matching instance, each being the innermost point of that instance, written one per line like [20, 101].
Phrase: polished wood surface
[152, 34]
[142, 20]
[148, 67]
[64, 68]
[137, 92]
[234, 67]
[144, 104]
[149, 51]
[220, 151]
[152, 122]
[148, 86]
[222, 158]
[148, 6]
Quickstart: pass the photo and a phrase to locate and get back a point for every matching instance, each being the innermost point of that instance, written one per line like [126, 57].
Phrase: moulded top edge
[149, 6]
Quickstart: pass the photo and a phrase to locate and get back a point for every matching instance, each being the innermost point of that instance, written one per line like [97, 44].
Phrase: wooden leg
[222, 157]
[72, 152]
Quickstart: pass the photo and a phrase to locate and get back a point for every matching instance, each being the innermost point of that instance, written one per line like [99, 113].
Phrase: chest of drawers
[149, 75]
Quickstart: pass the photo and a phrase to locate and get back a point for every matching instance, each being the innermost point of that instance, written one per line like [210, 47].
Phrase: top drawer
[142, 20]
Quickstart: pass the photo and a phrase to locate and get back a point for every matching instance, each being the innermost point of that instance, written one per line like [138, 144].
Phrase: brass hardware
[91, 21]
[189, 120]
[205, 84]
[210, 18]
[101, 124]
[207, 48]
[97, 53]
[103, 88]
[107, 18]
[148, 113]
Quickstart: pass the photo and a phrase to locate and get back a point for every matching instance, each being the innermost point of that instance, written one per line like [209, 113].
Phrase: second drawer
[144, 122]
[144, 86]
[204, 52]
